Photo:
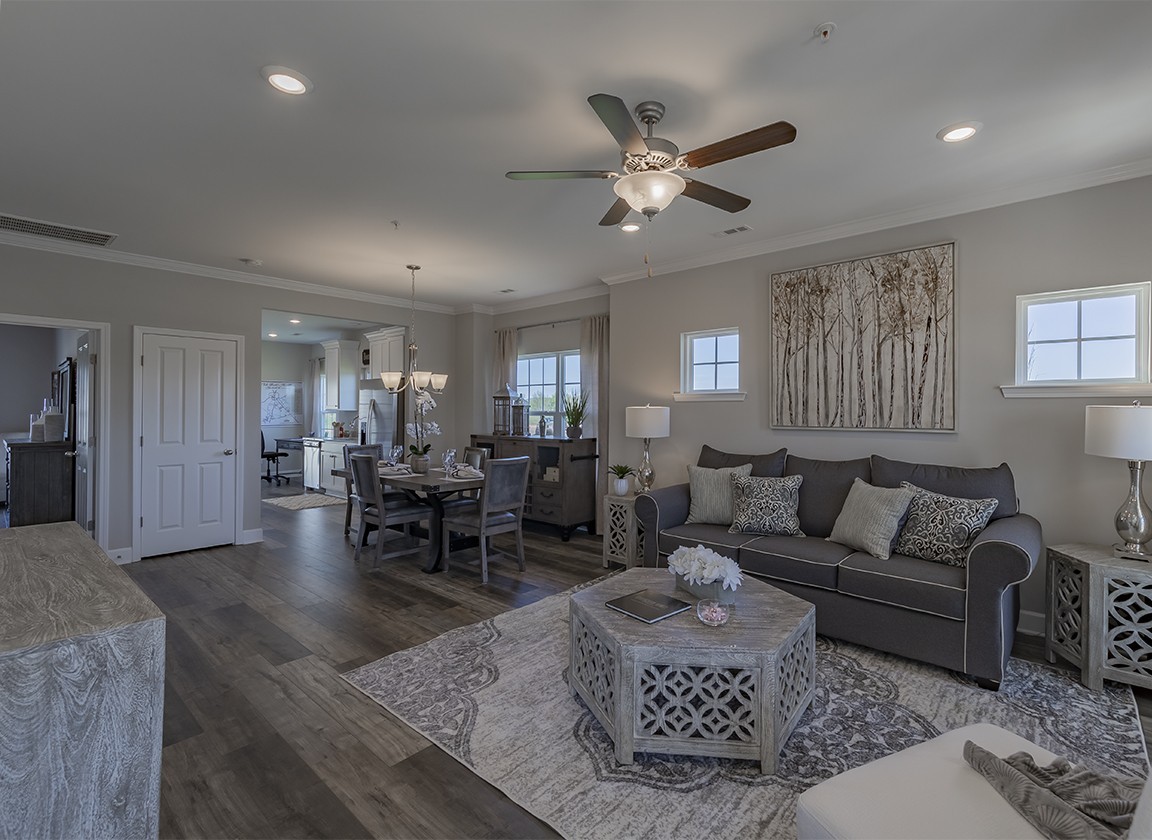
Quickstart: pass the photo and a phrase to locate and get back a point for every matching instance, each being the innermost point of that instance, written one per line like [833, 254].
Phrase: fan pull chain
[648, 247]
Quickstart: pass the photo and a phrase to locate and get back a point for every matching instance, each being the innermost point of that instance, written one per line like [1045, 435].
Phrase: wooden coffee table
[681, 687]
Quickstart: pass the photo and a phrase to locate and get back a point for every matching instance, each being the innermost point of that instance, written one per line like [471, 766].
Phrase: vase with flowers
[420, 430]
[705, 574]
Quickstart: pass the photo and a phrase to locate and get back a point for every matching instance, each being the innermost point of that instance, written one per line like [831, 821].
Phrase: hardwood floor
[261, 736]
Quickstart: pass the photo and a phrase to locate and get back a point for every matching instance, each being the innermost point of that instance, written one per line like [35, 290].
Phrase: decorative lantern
[519, 416]
[502, 410]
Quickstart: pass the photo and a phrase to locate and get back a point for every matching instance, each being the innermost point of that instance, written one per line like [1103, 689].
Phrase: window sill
[1140, 389]
[710, 396]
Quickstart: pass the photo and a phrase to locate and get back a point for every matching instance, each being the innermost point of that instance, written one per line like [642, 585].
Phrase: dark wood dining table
[432, 487]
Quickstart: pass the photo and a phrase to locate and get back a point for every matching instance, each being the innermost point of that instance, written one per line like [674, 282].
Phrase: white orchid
[703, 565]
[422, 404]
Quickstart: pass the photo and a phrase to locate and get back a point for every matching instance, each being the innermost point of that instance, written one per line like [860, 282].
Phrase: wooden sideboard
[81, 690]
[561, 481]
[41, 477]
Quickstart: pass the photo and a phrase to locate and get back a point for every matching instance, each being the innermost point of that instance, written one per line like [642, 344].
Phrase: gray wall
[27, 359]
[281, 362]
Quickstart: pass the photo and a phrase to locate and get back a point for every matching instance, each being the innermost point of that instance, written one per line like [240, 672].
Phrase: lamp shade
[650, 191]
[646, 421]
[1118, 431]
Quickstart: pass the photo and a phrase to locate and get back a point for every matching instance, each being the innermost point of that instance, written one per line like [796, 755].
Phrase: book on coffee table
[647, 605]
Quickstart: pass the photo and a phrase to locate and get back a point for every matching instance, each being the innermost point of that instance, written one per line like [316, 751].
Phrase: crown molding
[473, 309]
[566, 296]
[92, 252]
[924, 213]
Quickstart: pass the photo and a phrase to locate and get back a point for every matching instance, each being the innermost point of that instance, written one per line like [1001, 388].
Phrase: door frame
[102, 333]
[138, 334]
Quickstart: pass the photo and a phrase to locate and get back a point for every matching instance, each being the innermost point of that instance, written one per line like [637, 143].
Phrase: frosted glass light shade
[1118, 431]
[421, 378]
[646, 421]
[391, 379]
[439, 380]
[649, 192]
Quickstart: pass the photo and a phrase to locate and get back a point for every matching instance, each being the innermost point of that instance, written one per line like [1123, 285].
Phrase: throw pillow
[710, 501]
[871, 517]
[941, 528]
[771, 463]
[962, 482]
[763, 505]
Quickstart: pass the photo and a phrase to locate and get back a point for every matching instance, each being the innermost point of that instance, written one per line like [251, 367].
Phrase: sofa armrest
[1006, 552]
[659, 509]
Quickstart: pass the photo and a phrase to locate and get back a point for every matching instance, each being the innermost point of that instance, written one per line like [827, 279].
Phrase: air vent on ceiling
[35, 227]
[732, 231]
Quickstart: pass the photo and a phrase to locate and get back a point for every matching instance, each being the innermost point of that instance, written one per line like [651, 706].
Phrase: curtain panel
[594, 379]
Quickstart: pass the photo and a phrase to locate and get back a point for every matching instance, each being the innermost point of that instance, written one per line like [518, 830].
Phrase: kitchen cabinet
[385, 351]
[341, 375]
[332, 458]
[40, 482]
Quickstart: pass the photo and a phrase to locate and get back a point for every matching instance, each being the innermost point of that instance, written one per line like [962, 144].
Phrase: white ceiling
[151, 120]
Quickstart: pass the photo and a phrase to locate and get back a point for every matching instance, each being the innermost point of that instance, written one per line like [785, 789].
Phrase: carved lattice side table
[680, 687]
[623, 533]
[1100, 614]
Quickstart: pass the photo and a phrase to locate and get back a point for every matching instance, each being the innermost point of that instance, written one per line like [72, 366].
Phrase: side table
[623, 533]
[1100, 614]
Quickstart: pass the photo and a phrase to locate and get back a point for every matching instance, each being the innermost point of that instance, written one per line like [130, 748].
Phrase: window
[710, 364]
[1083, 336]
[545, 379]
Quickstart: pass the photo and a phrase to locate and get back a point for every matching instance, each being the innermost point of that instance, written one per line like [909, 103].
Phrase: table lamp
[646, 421]
[1125, 432]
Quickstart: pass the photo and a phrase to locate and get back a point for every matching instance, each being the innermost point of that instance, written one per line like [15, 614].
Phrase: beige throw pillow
[871, 517]
[710, 492]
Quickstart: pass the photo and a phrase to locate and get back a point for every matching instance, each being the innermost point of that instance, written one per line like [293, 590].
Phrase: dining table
[432, 487]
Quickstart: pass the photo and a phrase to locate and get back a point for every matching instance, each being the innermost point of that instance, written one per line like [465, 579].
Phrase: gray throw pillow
[764, 505]
[871, 517]
[771, 463]
[710, 492]
[941, 528]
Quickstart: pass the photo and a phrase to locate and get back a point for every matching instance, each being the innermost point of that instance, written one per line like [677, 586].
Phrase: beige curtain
[504, 369]
[594, 379]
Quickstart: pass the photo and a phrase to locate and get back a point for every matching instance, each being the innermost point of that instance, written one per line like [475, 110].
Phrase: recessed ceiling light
[293, 320]
[958, 132]
[272, 335]
[629, 227]
[286, 80]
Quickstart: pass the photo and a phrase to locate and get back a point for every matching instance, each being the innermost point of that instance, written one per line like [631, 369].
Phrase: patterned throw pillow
[763, 505]
[871, 517]
[941, 528]
[710, 494]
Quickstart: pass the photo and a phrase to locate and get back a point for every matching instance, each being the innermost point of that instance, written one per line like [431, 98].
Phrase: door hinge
[141, 441]
[141, 360]
[92, 360]
[141, 521]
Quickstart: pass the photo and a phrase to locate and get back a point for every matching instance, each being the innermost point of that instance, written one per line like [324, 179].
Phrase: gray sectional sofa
[959, 617]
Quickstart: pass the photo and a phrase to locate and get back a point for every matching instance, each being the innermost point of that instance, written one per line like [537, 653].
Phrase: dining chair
[376, 450]
[378, 513]
[498, 510]
[475, 457]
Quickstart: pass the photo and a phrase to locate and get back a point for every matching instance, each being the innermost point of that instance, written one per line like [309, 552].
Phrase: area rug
[305, 501]
[494, 696]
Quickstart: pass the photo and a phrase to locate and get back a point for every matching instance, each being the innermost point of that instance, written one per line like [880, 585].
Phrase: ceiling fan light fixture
[630, 226]
[959, 132]
[650, 191]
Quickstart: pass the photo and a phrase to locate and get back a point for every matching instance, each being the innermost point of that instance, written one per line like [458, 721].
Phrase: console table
[1100, 614]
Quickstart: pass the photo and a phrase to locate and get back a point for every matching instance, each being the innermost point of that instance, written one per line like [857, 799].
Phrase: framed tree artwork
[867, 344]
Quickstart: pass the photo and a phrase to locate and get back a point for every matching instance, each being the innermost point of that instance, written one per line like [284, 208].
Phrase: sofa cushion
[710, 536]
[906, 582]
[711, 494]
[964, 482]
[812, 562]
[871, 517]
[766, 505]
[770, 464]
[826, 486]
[941, 528]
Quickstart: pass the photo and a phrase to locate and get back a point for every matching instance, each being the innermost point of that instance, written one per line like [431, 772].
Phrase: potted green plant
[620, 484]
[575, 410]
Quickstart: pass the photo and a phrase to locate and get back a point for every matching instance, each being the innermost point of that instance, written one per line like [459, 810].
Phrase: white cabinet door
[386, 350]
[341, 375]
[332, 458]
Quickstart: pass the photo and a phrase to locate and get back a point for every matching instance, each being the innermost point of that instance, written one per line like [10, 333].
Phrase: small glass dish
[713, 613]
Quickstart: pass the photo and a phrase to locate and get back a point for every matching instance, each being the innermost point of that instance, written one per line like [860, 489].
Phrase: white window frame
[558, 427]
[689, 393]
[1134, 386]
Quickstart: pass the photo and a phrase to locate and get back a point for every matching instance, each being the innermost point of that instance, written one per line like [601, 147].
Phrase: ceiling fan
[650, 180]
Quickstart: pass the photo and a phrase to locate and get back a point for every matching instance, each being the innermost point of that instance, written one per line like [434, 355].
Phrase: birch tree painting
[865, 344]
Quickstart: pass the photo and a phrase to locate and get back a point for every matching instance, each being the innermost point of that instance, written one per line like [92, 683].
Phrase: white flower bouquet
[702, 565]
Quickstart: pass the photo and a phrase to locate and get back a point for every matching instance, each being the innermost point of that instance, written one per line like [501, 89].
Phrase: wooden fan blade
[757, 140]
[615, 115]
[716, 197]
[616, 213]
[547, 176]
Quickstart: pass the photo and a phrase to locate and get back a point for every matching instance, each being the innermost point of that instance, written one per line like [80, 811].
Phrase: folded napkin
[463, 471]
[394, 469]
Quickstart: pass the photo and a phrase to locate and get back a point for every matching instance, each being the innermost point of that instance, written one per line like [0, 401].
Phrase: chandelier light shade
[647, 422]
[650, 191]
[420, 380]
[1125, 432]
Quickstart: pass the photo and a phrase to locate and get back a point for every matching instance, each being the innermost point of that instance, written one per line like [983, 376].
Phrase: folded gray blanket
[1060, 801]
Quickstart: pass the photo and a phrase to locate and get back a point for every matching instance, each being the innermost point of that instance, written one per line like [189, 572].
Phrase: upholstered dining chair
[377, 513]
[376, 450]
[498, 510]
[475, 457]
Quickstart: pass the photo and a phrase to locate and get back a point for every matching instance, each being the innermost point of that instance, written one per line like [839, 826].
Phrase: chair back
[374, 449]
[263, 445]
[366, 481]
[474, 456]
[505, 482]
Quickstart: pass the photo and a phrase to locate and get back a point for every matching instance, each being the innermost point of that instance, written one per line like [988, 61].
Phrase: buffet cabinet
[40, 482]
[561, 478]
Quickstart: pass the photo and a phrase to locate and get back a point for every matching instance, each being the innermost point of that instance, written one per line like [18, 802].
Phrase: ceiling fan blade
[615, 115]
[547, 176]
[757, 140]
[716, 197]
[616, 213]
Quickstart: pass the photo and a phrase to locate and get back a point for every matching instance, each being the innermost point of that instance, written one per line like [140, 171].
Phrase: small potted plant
[575, 410]
[620, 484]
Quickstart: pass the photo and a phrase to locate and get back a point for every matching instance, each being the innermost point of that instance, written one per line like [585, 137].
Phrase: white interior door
[188, 460]
[82, 435]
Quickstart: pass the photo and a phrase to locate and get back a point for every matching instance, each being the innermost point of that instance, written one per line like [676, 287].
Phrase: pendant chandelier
[420, 380]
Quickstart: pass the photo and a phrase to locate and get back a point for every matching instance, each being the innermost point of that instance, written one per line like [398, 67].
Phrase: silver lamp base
[645, 475]
[1134, 519]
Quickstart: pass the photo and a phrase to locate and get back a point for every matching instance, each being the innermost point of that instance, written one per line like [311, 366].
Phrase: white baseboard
[253, 535]
[121, 556]
[1031, 623]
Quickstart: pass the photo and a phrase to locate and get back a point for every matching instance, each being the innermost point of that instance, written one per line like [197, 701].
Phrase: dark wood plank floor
[261, 736]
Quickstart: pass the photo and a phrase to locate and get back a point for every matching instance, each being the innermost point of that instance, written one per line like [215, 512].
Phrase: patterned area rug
[305, 501]
[494, 696]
